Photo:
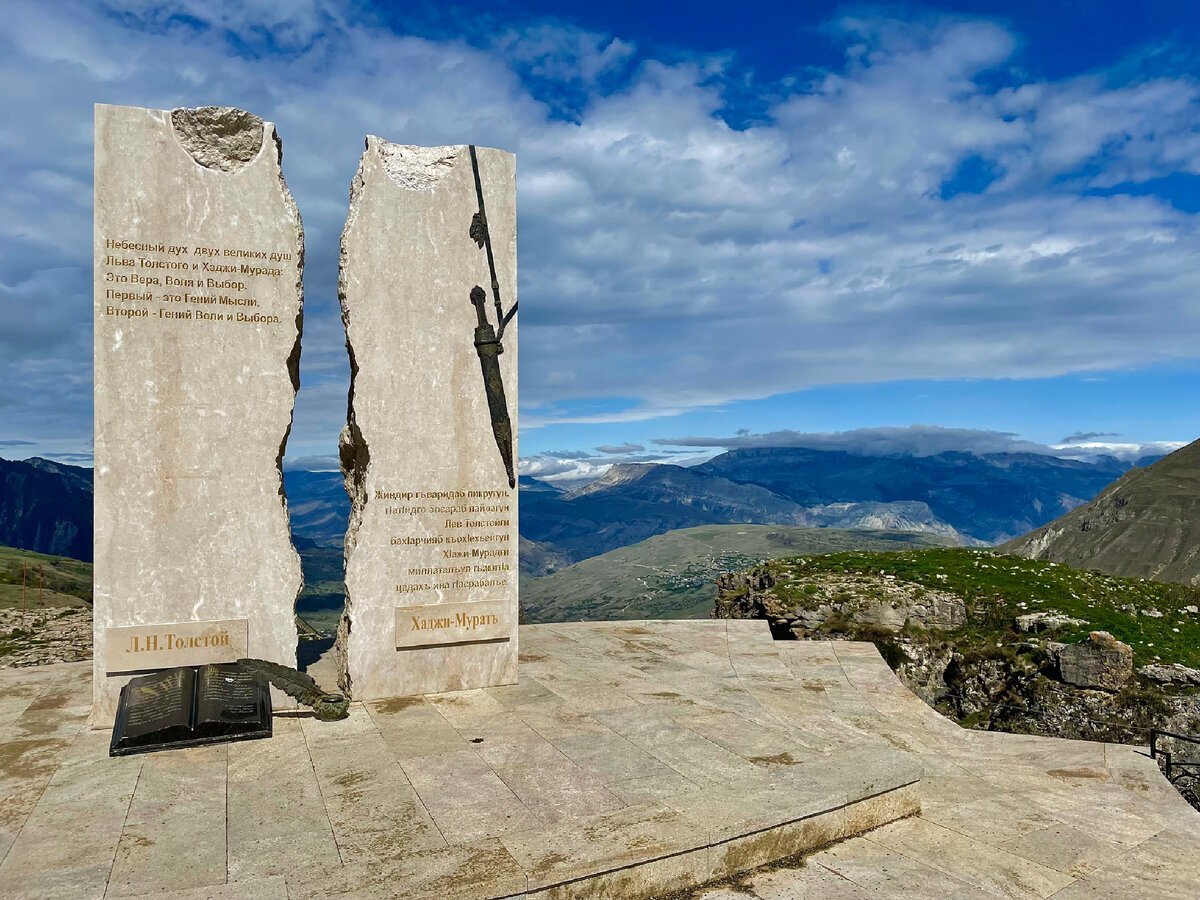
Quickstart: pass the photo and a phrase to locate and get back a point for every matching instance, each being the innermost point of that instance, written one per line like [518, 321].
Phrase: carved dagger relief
[488, 339]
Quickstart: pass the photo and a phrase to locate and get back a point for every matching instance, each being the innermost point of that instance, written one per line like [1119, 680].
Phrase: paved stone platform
[632, 758]
[1002, 815]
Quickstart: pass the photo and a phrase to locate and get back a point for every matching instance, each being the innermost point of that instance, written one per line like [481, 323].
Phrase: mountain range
[991, 497]
[1144, 525]
[46, 507]
[957, 496]
[968, 498]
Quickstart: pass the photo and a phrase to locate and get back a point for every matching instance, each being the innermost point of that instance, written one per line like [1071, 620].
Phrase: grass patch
[998, 588]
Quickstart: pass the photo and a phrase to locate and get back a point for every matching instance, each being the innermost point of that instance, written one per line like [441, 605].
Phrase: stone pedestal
[431, 553]
[198, 256]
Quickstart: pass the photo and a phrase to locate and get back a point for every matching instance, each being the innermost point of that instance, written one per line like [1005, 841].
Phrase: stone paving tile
[468, 871]
[559, 791]
[969, 860]
[611, 758]
[809, 883]
[254, 858]
[569, 850]
[1071, 851]
[353, 755]
[174, 834]
[87, 798]
[562, 721]
[747, 739]
[26, 767]
[69, 689]
[372, 808]
[481, 821]
[728, 813]
[276, 815]
[464, 708]
[585, 694]
[506, 740]
[268, 888]
[993, 820]
[938, 790]
[1109, 818]
[889, 874]
[46, 722]
[456, 780]
[414, 727]
[380, 821]
[652, 789]
[527, 695]
[1152, 871]
[679, 747]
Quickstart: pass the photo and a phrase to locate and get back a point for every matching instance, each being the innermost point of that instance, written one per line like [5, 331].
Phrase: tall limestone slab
[198, 302]
[431, 552]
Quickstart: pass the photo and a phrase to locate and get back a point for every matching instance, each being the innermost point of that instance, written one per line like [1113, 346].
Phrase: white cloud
[666, 257]
[913, 440]
[924, 440]
[1127, 451]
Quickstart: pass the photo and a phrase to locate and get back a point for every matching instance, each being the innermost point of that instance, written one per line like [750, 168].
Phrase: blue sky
[976, 222]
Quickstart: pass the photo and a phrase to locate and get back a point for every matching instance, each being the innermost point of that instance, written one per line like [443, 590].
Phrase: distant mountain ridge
[318, 506]
[990, 497]
[1145, 525]
[635, 501]
[962, 497]
[712, 494]
[46, 507]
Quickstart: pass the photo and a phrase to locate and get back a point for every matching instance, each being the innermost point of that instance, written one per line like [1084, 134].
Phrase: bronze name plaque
[136, 648]
[453, 623]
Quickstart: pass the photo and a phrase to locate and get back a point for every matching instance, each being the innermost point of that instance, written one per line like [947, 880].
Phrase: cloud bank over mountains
[925, 209]
[915, 440]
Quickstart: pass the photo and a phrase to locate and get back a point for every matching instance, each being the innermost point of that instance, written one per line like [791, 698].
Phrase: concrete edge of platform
[728, 857]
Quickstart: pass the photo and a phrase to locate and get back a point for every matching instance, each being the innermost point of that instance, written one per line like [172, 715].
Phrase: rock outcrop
[878, 603]
[1172, 674]
[1034, 623]
[1101, 661]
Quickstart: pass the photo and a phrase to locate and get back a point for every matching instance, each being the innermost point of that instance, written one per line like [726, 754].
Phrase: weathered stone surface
[1101, 661]
[1045, 621]
[886, 603]
[57, 635]
[433, 517]
[1172, 674]
[198, 301]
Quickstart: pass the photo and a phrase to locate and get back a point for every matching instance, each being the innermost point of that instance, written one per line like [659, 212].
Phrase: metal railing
[1174, 769]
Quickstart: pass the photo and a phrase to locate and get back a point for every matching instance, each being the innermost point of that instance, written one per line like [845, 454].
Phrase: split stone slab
[197, 307]
[431, 564]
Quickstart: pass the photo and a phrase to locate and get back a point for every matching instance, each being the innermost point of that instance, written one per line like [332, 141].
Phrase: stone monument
[428, 291]
[198, 304]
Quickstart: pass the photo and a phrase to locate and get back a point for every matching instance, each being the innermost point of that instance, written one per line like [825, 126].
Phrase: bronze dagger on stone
[488, 339]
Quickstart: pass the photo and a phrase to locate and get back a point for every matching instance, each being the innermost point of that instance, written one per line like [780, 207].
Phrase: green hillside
[49, 581]
[320, 602]
[673, 575]
[1145, 525]
[1152, 617]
